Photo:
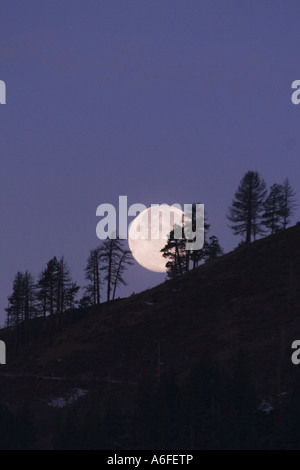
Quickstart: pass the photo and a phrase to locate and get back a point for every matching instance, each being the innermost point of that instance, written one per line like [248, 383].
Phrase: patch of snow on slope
[74, 395]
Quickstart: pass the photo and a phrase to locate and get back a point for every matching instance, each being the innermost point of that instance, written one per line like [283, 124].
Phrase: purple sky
[162, 101]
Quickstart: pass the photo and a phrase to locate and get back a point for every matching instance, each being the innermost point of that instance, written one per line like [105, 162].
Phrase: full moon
[148, 234]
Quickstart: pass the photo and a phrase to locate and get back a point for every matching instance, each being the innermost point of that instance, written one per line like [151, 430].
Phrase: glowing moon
[148, 234]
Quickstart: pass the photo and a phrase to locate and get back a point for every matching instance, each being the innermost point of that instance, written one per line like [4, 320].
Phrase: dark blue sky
[163, 101]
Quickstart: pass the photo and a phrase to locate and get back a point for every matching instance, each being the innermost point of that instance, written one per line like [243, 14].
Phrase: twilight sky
[163, 101]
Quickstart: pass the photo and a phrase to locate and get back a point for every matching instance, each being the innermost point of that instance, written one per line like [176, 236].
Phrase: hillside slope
[247, 301]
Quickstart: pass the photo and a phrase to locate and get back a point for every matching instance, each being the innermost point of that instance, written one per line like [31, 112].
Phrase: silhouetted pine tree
[289, 203]
[22, 307]
[247, 206]
[46, 292]
[273, 209]
[92, 274]
[66, 290]
[213, 249]
[178, 257]
[55, 291]
[114, 261]
[125, 260]
[176, 254]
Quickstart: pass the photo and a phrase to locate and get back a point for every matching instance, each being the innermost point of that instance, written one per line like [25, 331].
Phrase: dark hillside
[242, 307]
